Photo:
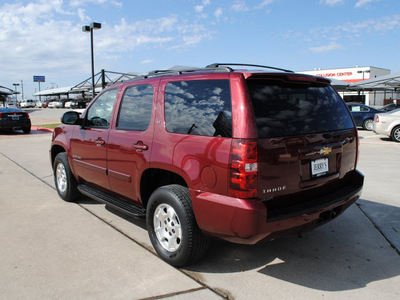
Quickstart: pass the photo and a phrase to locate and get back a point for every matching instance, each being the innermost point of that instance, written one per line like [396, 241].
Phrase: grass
[51, 126]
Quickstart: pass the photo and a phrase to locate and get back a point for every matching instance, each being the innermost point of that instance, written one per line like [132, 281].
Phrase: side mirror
[71, 118]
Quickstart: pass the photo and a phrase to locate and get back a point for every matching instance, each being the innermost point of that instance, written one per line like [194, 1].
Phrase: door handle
[139, 146]
[100, 142]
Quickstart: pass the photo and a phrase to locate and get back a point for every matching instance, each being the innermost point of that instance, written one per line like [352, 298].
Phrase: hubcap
[369, 125]
[61, 177]
[167, 227]
[396, 134]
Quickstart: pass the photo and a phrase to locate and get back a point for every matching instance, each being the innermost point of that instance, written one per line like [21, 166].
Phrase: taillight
[377, 119]
[243, 177]
[1, 116]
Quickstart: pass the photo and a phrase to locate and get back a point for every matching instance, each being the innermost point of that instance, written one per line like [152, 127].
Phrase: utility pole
[22, 89]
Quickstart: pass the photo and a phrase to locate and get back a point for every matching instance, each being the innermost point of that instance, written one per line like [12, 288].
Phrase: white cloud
[326, 48]
[264, 3]
[239, 5]
[361, 3]
[147, 61]
[198, 8]
[218, 13]
[331, 2]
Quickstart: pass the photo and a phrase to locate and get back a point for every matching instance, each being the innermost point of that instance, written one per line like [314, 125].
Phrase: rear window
[287, 109]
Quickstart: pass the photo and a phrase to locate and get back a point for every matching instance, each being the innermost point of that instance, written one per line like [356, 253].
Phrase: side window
[136, 108]
[199, 107]
[355, 108]
[99, 114]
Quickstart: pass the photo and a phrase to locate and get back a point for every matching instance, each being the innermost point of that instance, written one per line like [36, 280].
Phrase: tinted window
[285, 109]
[99, 114]
[136, 108]
[200, 107]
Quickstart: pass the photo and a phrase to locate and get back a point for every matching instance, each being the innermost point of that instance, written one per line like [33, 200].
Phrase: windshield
[287, 109]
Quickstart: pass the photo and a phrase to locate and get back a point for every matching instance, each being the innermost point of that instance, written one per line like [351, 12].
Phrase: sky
[45, 37]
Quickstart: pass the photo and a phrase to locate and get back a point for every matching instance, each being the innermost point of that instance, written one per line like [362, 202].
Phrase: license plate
[15, 118]
[319, 167]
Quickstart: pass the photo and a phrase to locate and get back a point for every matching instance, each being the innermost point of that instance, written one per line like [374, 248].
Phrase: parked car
[27, 104]
[12, 118]
[39, 103]
[388, 124]
[390, 107]
[46, 103]
[363, 115]
[241, 155]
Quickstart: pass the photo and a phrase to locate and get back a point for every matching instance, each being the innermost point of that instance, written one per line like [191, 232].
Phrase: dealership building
[377, 96]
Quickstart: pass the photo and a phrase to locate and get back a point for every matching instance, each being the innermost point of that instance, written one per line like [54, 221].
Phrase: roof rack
[217, 65]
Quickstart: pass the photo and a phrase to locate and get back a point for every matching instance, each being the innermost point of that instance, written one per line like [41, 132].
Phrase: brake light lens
[377, 119]
[1, 116]
[243, 177]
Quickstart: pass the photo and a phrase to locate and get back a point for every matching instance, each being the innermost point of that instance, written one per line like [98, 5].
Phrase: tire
[64, 180]
[368, 124]
[26, 129]
[172, 226]
[396, 134]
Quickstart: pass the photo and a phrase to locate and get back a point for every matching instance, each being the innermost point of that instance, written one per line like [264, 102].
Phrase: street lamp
[90, 28]
[16, 94]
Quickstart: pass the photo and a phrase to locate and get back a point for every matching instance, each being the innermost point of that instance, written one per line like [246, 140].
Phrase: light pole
[16, 95]
[90, 28]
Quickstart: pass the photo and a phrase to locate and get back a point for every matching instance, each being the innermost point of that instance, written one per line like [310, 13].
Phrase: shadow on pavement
[341, 255]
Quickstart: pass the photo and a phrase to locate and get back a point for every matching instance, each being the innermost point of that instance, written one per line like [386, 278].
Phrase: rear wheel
[368, 124]
[396, 134]
[26, 129]
[64, 180]
[172, 227]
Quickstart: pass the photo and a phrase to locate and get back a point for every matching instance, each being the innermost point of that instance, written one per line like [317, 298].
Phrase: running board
[112, 201]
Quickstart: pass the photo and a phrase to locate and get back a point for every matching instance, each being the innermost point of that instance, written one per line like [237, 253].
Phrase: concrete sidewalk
[57, 250]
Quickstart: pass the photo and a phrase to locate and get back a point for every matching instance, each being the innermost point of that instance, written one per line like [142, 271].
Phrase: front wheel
[64, 180]
[396, 134]
[172, 227]
[368, 124]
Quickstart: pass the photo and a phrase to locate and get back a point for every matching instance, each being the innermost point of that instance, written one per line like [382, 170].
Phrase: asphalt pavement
[57, 250]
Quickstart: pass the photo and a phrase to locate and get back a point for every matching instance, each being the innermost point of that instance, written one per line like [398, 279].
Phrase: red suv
[241, 155]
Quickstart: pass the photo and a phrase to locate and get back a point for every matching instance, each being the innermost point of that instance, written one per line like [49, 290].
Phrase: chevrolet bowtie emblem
[325, 151]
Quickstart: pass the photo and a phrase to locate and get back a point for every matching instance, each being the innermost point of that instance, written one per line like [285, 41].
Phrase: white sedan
[388, 124]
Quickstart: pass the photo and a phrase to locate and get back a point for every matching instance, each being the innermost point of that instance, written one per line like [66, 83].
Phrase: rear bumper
[247, 221]
[17, 124]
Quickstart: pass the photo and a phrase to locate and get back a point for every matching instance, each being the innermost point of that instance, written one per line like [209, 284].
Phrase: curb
[42, 129]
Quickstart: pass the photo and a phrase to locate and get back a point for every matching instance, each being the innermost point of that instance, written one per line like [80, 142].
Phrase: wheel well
[54, 151]
[155, 178]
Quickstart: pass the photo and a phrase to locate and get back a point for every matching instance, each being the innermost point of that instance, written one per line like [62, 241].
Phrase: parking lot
[52, 249]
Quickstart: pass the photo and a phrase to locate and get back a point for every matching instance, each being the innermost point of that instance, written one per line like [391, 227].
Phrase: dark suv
[240, 155]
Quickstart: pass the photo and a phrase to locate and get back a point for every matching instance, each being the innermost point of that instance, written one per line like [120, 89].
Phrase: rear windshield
[287, 109]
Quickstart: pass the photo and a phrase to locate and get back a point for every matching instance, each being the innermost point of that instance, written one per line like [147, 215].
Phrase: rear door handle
[100, 142]
[139, 146]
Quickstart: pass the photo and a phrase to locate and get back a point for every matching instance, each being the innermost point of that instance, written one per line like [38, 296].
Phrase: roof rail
[217, 65]
[179, 72]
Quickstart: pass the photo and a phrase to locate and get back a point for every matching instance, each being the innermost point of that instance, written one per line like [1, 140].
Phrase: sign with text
[38, 79]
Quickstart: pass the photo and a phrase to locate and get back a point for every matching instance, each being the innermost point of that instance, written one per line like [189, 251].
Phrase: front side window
[99, 113]
[136, 108]
[287, 109]
[199, 107]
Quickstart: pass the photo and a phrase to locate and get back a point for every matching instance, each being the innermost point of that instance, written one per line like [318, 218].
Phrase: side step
[112, 201]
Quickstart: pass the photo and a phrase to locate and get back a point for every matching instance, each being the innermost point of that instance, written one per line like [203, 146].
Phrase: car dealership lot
[53, 249]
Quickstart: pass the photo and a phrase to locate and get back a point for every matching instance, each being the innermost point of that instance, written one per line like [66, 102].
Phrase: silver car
[388, 124]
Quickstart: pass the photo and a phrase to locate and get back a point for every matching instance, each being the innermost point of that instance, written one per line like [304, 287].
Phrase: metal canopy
[390, 81]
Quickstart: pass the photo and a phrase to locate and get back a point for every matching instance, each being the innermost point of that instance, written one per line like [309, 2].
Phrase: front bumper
[248, 221]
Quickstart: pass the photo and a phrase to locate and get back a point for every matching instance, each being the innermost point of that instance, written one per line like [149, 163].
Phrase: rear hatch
[307, 143]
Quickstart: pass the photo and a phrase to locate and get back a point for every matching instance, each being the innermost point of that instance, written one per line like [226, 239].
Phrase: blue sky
[44, 37]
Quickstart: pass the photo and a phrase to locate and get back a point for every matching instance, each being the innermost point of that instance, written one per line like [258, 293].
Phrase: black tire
[188, 244]
[64, 180]
[26, 129]
[368, 124]
[396, 134]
